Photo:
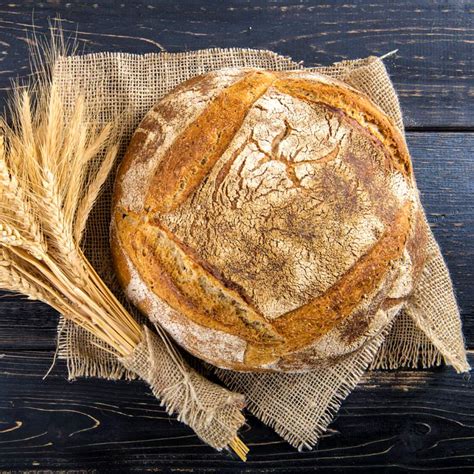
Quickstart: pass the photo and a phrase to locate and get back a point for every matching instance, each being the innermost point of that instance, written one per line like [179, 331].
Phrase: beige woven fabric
[298, 406]
[214, 413]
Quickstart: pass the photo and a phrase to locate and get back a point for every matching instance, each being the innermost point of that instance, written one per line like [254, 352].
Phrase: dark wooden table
[400, 420]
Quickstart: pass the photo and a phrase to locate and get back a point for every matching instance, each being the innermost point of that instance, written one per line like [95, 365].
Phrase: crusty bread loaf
[267, 220]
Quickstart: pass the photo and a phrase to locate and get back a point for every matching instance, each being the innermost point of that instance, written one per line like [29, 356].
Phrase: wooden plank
[25, 324]
[444, 168]
[400, 419]
[432, 71]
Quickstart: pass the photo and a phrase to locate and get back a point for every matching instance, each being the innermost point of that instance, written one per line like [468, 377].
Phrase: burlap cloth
[298, 406]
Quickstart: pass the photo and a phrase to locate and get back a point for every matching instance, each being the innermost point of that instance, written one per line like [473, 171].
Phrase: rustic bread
[267, 220]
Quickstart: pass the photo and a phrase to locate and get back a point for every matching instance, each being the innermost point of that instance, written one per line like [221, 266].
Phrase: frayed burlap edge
[406, 346]
[300, 406]
[434, 310]
[214, 413]
[81, 358]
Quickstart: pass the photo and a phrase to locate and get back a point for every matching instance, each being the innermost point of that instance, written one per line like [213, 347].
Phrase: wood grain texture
[432, 71]
[394, 420]
[444, 169]
[25, 324]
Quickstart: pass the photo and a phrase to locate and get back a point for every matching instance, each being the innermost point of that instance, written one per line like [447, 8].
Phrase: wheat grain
[14, 277]
[57, 228]
[16, 210]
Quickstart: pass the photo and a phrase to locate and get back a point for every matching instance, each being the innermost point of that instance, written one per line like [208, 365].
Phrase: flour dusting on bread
[290, 201]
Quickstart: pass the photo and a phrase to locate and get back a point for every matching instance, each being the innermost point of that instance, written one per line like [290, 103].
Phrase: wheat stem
[88, 200]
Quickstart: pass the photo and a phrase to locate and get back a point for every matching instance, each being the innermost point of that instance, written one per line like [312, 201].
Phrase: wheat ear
[47, 190]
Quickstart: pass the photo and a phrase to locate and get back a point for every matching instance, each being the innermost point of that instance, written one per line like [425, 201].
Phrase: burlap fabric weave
[298, 406]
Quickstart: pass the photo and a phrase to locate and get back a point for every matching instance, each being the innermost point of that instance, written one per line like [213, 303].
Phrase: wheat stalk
[47, 192]
[39, 203]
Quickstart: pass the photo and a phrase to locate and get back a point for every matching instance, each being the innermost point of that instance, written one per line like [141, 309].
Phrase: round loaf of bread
[267, 220]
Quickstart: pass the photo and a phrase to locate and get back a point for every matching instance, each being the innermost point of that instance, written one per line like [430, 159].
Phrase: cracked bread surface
[267, 220]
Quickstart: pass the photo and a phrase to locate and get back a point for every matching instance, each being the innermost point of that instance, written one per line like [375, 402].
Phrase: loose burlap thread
[298, 406]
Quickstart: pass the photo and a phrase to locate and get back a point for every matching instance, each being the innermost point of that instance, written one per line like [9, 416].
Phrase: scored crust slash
[267, 220]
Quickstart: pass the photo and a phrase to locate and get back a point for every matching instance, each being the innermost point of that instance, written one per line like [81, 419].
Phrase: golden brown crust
[196, 150]
[186, 285]
[358, 107]
[172, 240]
[148, 137]
[310, 321]
[313, 320]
